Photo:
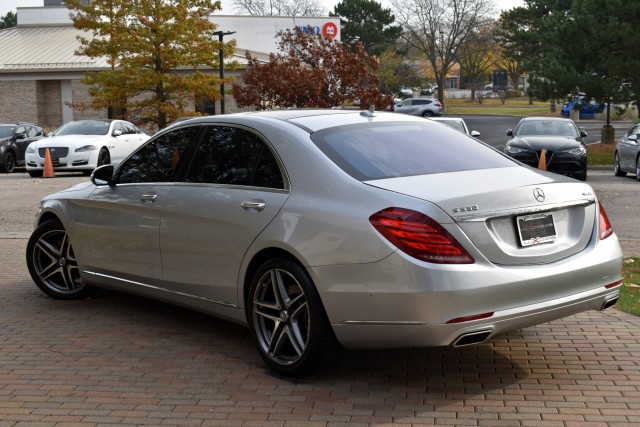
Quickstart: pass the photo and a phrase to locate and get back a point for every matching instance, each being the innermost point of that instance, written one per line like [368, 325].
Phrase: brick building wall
[49, 104]
[18, 100]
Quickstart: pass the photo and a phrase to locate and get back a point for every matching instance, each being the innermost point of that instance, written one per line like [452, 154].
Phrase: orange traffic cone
[48, 165]
[542, 163]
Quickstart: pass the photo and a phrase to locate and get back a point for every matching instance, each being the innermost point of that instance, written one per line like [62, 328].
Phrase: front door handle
[149, 197]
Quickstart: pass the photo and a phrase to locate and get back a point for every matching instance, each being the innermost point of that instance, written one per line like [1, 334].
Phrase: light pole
[221, 35]
[442, 77]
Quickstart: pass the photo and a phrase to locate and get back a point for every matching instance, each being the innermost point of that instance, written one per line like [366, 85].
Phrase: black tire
[287, 320]
[427, 113]
[9, 162]
[582, 176]
[35, 174]
[617, 170]
[52, 262]
[638, 168]
[104, 158]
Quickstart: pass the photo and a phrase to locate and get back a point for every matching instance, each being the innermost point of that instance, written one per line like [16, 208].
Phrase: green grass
[629, 300]
[511, 107]
[600, 154]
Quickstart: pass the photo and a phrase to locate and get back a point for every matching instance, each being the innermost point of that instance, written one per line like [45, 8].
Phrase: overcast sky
[7, 6]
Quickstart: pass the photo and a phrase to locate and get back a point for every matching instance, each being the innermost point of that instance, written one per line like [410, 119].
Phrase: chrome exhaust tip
[609, 303]
[472, 338]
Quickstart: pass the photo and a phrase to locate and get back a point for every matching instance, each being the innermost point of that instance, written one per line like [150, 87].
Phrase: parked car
[564, 145]
[81, 146]
[425, 107]
[588, 110]
[14, 139]
[627, 154]
[320, 229]
[458, 124]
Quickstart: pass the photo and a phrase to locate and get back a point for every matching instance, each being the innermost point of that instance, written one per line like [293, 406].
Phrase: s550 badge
[465, 209]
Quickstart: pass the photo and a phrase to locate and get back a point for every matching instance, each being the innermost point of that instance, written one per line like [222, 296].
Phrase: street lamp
[221, 35]
[442, 77]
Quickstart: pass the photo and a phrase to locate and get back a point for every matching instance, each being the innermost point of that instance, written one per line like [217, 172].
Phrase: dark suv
[14, 139]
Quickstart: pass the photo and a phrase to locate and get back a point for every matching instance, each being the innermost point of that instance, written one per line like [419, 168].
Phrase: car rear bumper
[400, 303]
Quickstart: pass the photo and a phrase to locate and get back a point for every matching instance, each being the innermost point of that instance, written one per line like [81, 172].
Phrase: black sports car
[554, 144]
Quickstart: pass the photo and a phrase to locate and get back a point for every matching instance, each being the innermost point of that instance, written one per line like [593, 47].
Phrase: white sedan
[81, 146]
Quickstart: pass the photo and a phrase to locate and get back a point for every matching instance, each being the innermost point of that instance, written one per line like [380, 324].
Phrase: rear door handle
[256, 205]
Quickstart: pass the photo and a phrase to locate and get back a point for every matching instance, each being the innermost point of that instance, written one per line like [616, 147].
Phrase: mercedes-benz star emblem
[538, 194]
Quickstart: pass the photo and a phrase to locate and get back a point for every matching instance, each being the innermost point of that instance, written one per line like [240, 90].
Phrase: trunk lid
[489, 204]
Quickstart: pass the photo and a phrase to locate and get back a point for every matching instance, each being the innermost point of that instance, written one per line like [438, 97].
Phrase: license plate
[536, 228]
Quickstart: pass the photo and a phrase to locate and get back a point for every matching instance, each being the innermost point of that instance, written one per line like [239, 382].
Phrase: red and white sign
[330, 30]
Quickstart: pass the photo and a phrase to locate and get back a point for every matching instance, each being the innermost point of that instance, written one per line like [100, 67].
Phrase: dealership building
[40, 75]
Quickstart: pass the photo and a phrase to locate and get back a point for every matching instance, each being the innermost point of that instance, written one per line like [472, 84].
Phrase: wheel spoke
[55, 263]
[281, 316]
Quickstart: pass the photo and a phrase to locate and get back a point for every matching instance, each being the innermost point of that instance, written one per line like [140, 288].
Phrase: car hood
[74, 140]
[486, 203]
[552, 142]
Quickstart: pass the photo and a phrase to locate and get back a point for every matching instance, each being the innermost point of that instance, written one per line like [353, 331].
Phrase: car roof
[542, 118]
[311, 119]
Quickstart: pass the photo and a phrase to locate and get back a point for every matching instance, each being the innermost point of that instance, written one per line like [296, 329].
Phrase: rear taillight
[604, 225]
[419, 236]
[437, 104]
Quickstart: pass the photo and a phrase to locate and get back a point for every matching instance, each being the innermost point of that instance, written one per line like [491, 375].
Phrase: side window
[160, 159]
[229, 155]
[21, 132]
[129, 128]
[118, 126]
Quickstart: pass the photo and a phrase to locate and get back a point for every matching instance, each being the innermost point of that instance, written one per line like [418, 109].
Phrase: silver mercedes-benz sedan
[321, 230]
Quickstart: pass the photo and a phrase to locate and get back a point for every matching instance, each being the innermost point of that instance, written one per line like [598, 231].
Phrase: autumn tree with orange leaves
[160, 54]
[311, 71]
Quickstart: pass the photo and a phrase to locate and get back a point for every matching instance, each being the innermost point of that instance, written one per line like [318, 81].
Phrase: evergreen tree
[576, 48]
[9, 20]
[367, 22]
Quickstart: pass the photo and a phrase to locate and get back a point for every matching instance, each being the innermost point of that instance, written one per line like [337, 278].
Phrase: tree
[395, 72]
[311, 71]
[9, 20]
[279, 7]
[157, 50]
[477, 57]
[554, 40]
[368, 22]
[437, 28]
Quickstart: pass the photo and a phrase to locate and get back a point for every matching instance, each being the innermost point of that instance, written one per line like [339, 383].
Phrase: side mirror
[510, 132]
[633, 138]
[116, 133]
[475, 134]
[102, 175]
[583, 133]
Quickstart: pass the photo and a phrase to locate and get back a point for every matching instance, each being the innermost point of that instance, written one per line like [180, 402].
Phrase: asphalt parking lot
[117, 359]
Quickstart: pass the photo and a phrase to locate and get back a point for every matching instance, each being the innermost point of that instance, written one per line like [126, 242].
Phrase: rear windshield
[395, 149]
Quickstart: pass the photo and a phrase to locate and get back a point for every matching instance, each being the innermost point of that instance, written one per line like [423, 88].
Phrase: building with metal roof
[40, 74]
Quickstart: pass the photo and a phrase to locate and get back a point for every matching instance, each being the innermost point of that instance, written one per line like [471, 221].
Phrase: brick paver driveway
[120, 359]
